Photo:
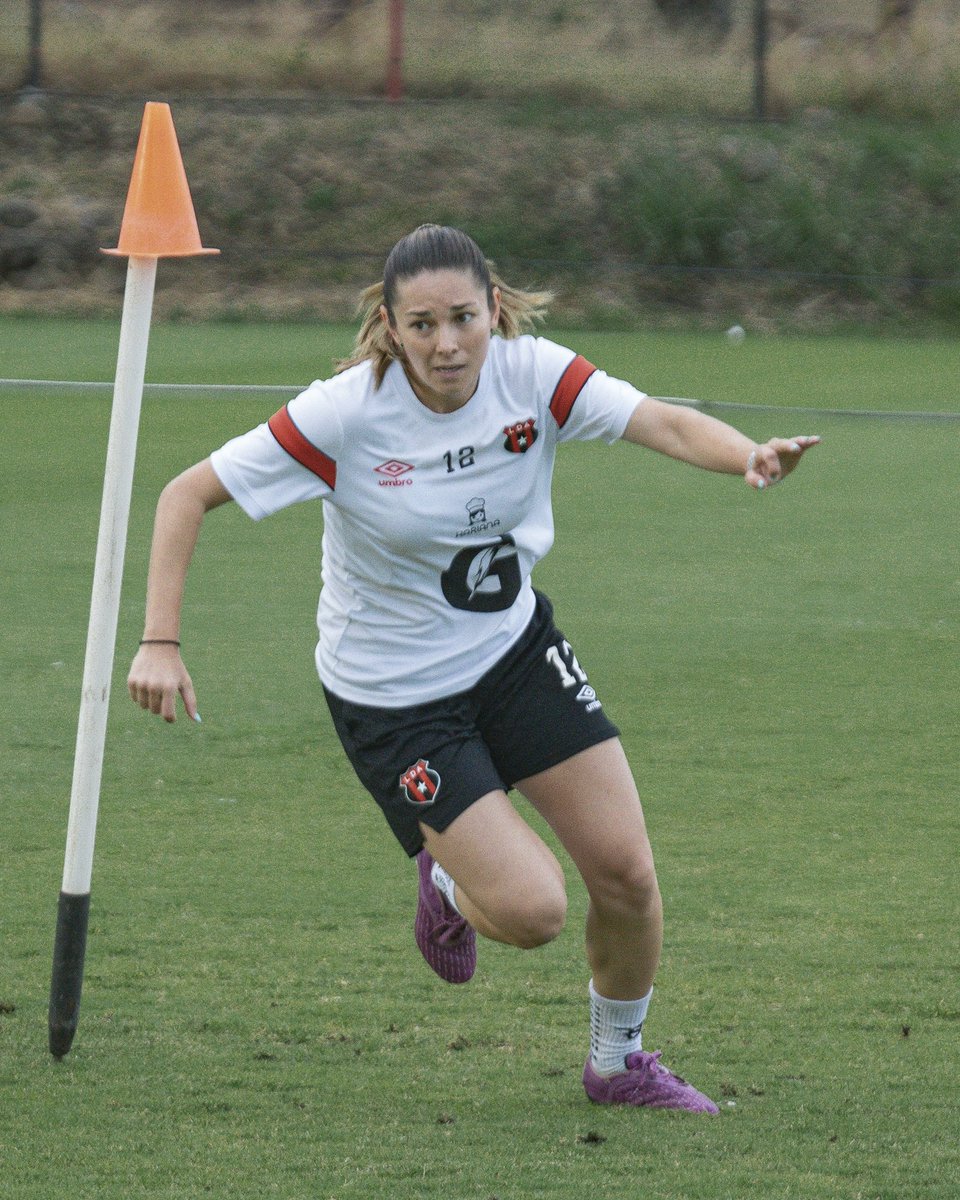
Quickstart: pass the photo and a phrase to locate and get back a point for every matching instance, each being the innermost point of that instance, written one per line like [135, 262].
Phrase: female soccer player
[448, 683]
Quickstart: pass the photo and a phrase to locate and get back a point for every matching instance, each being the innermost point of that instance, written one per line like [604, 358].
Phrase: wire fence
[758, 25]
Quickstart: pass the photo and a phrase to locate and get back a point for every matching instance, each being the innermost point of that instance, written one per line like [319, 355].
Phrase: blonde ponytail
[520, 311]
[373, 341]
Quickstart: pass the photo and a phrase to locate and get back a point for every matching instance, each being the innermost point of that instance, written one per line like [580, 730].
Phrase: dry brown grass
[615, 52]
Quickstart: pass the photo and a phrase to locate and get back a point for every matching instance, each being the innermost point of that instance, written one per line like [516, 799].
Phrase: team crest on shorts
[420, 783]
[520, 436]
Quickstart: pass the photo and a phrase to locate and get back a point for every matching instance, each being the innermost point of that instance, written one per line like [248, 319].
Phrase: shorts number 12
[571, 673]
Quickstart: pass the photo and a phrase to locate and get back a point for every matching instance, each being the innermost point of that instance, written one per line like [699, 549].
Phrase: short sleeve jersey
[433, 522]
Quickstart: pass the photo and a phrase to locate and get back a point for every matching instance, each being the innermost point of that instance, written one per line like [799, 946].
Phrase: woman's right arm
[157, 674]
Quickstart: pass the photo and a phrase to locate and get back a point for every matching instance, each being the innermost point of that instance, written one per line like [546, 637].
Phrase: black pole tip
[66, 981]
[61, 1040]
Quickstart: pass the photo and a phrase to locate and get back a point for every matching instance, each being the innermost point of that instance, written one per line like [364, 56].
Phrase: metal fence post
[761, 37]
[34, 76]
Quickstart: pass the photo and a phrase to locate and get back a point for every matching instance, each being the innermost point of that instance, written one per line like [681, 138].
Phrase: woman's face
[444, 324]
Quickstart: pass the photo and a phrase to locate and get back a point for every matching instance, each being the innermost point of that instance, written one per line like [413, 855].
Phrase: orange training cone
[158, 220]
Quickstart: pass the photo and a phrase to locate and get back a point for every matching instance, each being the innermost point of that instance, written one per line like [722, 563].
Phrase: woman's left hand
[775, 459]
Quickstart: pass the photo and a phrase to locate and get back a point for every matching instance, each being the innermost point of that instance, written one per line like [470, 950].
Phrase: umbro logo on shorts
[420, 783]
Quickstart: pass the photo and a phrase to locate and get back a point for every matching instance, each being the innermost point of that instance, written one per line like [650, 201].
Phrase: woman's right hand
[157, 676]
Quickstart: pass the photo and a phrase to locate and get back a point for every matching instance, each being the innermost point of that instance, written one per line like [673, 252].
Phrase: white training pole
[108, 572]
[74, 905]
[158, 222]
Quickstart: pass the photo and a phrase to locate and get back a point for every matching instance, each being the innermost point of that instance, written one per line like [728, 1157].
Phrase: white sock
[445, 886]
[615, 1030]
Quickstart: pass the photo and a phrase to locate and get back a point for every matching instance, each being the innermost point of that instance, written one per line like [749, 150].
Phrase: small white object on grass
[736, 334]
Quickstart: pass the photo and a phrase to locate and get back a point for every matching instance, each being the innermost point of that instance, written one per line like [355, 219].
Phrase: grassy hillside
[550, 131]
[629, 217]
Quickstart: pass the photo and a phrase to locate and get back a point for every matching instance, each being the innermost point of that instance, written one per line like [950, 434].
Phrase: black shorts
[430, 762]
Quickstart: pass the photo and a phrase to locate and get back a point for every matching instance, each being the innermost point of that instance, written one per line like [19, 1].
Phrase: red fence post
[395, 70]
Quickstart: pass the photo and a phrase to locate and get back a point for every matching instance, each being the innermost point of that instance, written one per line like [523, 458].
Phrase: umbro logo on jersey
[393, 470]
[588, 697]
[520, 436]
[420, 783]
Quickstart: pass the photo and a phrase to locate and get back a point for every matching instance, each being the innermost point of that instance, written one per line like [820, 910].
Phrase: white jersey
[433, 522]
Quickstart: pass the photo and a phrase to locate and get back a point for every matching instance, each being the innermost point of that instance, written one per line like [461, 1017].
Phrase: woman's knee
[536, 919]
[628, 885]
[514, 887]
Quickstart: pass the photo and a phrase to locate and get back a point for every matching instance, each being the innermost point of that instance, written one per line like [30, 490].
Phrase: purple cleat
[445, 939]
[645, 1082]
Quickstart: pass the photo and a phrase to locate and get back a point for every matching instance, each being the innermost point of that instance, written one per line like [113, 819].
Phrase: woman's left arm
[693, 437]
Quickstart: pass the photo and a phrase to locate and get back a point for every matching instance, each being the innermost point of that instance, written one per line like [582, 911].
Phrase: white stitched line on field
[96, 385]
[293, 389]
[876, 413]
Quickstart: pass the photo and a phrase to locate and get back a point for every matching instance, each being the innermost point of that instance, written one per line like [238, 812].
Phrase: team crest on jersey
[520, 436]
[420, 783]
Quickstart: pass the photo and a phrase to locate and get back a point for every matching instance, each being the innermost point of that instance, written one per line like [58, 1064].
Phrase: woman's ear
[391, 332]
[495, 309]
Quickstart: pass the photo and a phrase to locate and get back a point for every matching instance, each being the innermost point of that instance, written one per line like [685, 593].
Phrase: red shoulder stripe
[296, 445]
[569, 388]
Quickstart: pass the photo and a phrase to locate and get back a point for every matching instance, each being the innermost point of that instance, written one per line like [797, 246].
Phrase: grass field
[256, 1021]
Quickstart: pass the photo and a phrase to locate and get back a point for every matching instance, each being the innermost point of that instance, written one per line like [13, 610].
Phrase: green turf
[255, 1019]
